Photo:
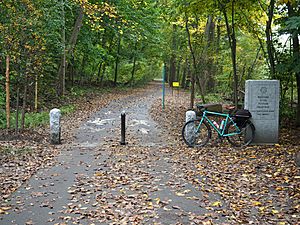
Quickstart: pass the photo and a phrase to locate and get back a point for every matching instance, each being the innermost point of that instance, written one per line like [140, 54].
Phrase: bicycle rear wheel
[244, 137]
[195, 136]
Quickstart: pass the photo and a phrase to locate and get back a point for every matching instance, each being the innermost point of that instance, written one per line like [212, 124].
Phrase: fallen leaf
[216, 204]
[256, 203]
[180, 194]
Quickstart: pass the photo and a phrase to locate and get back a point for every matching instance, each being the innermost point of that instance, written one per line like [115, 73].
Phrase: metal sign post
[176, 85]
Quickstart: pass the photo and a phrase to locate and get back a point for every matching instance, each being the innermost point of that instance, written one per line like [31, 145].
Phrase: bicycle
[236, 127]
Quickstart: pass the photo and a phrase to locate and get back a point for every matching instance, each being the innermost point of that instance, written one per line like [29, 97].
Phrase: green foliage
[42, 118]
[2, 97]
[77, 91]
[289, 25]
[32, 119]
[67, 109]
[2, 118]
[36, 119]
[213, 98]
[35, 42]
[286, 110]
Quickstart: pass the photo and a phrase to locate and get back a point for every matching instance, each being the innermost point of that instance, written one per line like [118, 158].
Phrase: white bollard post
[190, 115]
[55, 126]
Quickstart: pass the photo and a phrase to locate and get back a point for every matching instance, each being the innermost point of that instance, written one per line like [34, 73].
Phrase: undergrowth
[33, 119]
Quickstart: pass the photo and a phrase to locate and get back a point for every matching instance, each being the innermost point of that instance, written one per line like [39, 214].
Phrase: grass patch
[15, 151]
[36, 119]
[67, 109]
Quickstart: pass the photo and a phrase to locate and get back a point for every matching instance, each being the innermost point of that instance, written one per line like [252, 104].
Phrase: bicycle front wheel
[243, 137]
[195, 135]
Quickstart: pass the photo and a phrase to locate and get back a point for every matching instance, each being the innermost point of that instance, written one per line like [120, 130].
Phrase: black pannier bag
[241, 116]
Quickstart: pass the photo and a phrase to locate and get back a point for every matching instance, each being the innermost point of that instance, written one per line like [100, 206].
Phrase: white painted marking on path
[144, 131]
[100, 122]
[139, 122]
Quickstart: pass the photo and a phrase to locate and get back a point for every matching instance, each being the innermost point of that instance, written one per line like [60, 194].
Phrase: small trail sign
[175, 84]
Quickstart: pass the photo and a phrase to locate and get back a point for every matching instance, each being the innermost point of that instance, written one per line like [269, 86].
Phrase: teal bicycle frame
[221, 132]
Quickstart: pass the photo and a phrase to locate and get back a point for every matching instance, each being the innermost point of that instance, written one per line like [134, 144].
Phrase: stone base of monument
[262, 100]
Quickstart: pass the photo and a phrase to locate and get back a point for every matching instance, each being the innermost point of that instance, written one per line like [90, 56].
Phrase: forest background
[53, 50]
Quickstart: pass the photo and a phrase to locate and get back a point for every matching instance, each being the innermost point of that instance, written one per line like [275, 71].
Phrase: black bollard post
[123, 117]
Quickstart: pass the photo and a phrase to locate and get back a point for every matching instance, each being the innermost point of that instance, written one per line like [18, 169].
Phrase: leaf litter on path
[174, 184]
[259, 184]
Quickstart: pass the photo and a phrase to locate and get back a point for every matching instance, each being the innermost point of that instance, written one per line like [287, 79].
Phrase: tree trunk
[82, 73]
[194, 64]
[233, 55]
[296, 59]
[117, 61]
[36, 94]
[133, 71]
[99, 71]
[62, 69]
[166, 66]
[17, 111]
[68, 50]
[210, 30]
[218, 39]
[172, 71]
[102, 75]
[24, 104]
[298, 103]
[250, 70]
[72, 71]
[134, 64]
[75, 32]
[183, 78]
[177, 77]
[208, 59]
[173, 58]
[269, 41]
[192, 99]
[232, 44]
[7, 93]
